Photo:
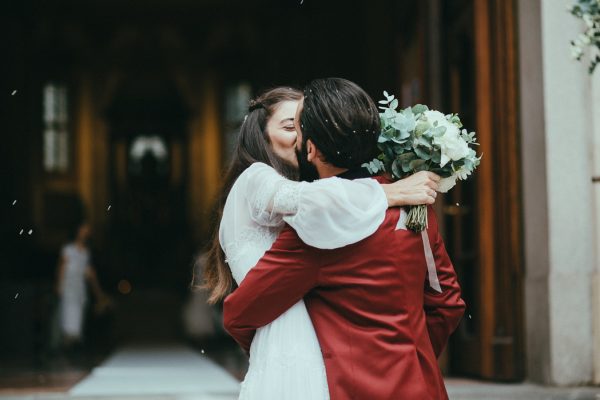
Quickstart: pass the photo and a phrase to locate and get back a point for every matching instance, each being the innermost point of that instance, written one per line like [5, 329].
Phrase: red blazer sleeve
[281, 278]
[443, 310]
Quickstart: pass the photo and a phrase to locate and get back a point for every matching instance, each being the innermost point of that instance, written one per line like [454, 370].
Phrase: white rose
[435, 116]
[452, 146]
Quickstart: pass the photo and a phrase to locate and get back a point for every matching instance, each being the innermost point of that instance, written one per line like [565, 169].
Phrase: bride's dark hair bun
[253, 105]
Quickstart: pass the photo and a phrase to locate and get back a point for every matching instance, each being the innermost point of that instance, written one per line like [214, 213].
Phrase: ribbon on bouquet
[434, 282]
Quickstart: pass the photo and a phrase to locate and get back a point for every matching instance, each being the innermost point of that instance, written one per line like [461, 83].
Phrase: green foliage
[589, 12]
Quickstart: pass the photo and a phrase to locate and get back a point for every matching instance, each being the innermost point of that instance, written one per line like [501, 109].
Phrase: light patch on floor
[166, 372]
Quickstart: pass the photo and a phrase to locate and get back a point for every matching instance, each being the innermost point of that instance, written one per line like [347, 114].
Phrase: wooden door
[482, 216]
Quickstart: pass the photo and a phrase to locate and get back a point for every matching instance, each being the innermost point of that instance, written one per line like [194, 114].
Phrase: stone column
[556, 127]
[595, 105]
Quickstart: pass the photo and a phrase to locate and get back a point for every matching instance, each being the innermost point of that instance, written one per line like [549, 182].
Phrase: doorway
[149, 237]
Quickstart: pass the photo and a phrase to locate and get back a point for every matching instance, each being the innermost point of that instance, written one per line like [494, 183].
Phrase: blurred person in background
[75, 271]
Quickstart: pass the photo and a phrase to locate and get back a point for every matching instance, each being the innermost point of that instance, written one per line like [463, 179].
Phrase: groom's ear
[311, 151]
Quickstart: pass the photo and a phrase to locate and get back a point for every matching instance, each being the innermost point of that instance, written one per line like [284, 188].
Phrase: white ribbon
[434, 282]
[402, 220]
[433, 278]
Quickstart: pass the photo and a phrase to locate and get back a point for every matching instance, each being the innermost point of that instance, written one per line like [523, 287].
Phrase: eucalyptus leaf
[389, 113]
[423, 152]
[400, 148]
[419, 109]
[375, 166]
[436, 156]
[421, 127]
[407, 157]
[418, 165]
[423, 142]
[396, 169]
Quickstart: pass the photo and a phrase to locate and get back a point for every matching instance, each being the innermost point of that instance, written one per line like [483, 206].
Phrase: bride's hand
[417, 189]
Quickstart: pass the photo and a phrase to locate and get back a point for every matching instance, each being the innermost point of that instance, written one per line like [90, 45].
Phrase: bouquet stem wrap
[416, 219]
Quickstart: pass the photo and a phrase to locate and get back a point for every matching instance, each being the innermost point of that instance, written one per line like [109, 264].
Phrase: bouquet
[419, 139]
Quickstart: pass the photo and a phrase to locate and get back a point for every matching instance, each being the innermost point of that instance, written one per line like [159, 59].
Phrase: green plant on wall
[589, 12]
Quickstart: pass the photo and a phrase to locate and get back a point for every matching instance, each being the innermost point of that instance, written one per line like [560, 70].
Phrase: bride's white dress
[285, 357]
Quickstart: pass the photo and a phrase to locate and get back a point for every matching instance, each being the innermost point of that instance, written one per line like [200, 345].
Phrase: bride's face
[282, 131]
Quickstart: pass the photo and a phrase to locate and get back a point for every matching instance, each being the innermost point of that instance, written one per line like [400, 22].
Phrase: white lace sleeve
[336, 212]
[270, 196]
[327, 214]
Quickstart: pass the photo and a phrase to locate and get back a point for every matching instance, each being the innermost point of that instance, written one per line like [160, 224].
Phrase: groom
[380, 325]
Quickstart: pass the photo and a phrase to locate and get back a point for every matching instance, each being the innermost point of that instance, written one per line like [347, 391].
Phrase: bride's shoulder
[257, 170]
[250, 174]
[259, 166]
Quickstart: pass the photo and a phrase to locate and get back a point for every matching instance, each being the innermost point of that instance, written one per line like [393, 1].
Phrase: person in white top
[74, 271]
[260, 194]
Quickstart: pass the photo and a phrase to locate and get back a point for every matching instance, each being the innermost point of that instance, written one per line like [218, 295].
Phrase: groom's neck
[327, 170]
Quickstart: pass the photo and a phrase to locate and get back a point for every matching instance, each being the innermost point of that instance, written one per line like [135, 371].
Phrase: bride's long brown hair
[253, 145]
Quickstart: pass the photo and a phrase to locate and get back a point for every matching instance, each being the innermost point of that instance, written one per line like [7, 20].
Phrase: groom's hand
[417, 189]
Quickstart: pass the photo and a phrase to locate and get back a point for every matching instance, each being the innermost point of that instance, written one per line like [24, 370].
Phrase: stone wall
[560, 224]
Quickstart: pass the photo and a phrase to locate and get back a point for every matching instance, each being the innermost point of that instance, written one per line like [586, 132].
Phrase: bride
[260, 194]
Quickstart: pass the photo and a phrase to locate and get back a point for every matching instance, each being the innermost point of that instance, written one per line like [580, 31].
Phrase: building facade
[125, 114]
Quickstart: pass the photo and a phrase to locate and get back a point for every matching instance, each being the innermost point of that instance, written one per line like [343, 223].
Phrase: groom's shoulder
[289, 241]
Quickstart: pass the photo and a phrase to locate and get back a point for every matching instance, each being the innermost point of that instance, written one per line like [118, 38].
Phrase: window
[56, 136]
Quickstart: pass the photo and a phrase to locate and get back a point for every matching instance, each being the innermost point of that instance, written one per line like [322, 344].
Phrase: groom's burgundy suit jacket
[379, 324]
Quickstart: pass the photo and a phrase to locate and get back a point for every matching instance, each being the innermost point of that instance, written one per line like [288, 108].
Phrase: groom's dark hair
[341, 120]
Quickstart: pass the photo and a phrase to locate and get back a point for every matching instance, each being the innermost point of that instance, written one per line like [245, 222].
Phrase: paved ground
[158, 371]
[176, 372]
[459, 389]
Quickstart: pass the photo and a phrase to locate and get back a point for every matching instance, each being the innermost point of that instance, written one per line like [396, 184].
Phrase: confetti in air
[14, 202]
[30, 231]
[16, 295]
[457, 204]
[13, 93]
[470, 316]
[108, 209]
[202, 351]
[20, 233]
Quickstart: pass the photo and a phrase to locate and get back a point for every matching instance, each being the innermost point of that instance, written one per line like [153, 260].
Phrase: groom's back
[379, 324]
[369, 311]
